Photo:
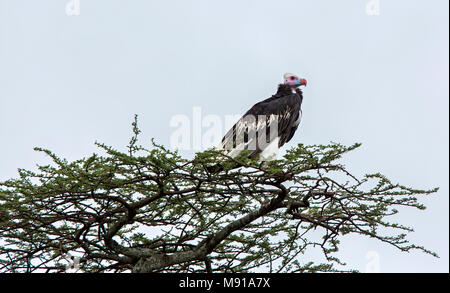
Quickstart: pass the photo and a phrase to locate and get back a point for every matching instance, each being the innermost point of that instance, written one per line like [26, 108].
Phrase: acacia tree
[151, 210]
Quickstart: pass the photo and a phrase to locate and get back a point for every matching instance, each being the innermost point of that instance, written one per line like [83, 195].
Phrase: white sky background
[67, 81]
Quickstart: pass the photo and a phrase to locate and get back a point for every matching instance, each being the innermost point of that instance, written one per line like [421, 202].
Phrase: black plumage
[282, 110]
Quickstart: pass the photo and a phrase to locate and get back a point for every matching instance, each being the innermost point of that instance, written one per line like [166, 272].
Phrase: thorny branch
[154, 211]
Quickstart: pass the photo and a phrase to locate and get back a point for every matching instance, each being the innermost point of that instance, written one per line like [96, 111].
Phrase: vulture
[268, 125]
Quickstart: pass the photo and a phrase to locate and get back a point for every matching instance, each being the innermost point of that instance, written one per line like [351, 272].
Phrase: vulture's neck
[285, 90]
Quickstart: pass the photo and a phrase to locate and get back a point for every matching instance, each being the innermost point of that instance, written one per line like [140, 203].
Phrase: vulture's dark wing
[289, 134]
[277, 116]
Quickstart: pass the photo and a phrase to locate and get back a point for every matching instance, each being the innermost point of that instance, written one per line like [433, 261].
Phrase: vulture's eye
[292, 78]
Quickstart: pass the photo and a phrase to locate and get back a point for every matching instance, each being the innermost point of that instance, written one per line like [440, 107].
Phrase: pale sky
[382, 80]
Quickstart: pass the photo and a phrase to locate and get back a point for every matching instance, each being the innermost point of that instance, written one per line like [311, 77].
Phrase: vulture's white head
[293, 80]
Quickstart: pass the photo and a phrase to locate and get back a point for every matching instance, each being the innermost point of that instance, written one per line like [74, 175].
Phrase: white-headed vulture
[269, 124]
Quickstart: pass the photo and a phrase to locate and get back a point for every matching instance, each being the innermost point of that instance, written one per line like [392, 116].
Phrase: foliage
[151, 210]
